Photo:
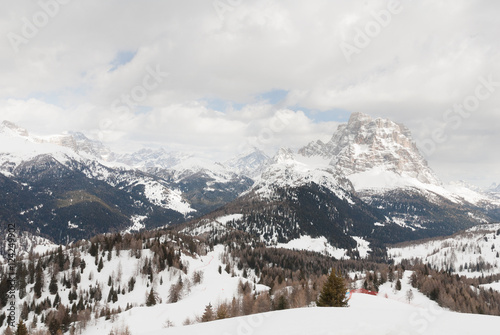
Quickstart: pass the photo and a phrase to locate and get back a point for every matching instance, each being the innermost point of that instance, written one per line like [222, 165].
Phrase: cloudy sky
[218, 76]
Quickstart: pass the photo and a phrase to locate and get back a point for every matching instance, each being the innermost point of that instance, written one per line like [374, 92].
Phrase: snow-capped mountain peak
[7, 127]
[284, 155]
[80, 144]
[11, 129]
[152, 158]
[365, 143]
[250, 163]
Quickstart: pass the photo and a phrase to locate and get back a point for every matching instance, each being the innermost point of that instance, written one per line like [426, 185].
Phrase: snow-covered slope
[123, 272]
[251, 163]
[17, 146]
[366, 315]
[379, 155]
[215, 288]
[288, 170]
[74, 192]
[374, 166]
[26, 243]
[472, 253]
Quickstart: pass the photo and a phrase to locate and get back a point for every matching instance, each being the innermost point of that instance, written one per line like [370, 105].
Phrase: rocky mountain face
[370, 181]
[364, 144]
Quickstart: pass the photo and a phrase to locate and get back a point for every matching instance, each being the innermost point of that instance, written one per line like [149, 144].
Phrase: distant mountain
[67, 187]
[369, 182]
[251, 163]
[150, 158]
[494, 189]
[365, 145]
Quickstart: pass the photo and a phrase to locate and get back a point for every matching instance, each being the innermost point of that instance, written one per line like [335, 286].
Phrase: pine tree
[333, 293]
[151, 301]
[57, 300]
[100, 266]
[110, 295]
[82, 265]
[209, 314]
[53, 285]
[398, 285]
[282, 303]
[38, 281]
[21, 328]
[60, 258]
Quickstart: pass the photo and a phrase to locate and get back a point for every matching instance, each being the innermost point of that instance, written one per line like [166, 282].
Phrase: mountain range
[369, 182]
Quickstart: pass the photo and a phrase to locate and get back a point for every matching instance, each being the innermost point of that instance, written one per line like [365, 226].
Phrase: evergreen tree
[8, 331]
[208, 315]
[21, 328]
[131, 284]
[82, 265]
[333, 293]
[93, 249]
[282, 303]
[38, 281]
[57, 300]
[398, 285]
[100, 266]
[60, 258]
[151, 300]
[53, 285]
[110, 295]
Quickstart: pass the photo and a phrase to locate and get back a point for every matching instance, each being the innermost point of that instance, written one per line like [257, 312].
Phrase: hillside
[366, 315]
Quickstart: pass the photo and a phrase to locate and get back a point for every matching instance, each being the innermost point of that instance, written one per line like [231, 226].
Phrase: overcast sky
[216, 77]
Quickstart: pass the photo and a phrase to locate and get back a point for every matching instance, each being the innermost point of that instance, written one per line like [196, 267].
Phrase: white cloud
[426, 59]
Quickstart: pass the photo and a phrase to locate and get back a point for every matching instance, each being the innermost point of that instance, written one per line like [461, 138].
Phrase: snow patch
[363, 246]
[137, 224]
[319, 244]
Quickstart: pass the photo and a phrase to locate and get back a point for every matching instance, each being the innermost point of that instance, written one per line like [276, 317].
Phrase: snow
[401, 222]
[228, 218]
[72, 225]
[208, 226]
[319, 244]
[215, 288]
[366, 315]
[363, 246]
[17, 149]
[162, 196]
[27, 242]
[289, 171]
[322, 246]
[138, 224]
[460, 252]
[468, 194]
[388, 313]
[495, 286]
[379, 179]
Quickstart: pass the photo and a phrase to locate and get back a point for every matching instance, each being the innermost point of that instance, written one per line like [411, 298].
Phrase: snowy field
[388, 313]
[366, 315]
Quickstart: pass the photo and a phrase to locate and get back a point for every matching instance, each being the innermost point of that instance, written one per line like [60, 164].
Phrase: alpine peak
[364, 144]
